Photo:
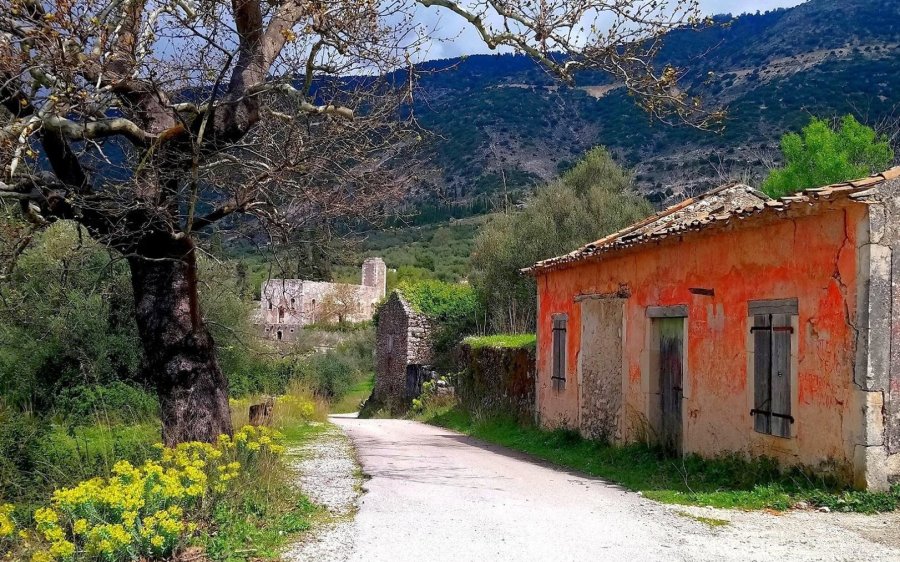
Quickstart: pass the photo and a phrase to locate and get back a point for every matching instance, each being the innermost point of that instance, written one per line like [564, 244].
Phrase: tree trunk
[180, 353]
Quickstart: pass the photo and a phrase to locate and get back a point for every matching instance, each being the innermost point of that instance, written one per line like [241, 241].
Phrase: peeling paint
[810, 258]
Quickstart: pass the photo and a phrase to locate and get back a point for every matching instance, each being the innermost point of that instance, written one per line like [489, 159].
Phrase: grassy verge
[118, 496]
[267, 514]
[354, 397]
[514, 341]
[727, 482]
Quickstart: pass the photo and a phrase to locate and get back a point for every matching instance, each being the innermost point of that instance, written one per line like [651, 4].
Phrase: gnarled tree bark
[179, 350]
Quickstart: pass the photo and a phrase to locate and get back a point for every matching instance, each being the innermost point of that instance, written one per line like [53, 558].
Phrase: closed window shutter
[772, 374]
[559, 352]
[781, 375]
[762, 348]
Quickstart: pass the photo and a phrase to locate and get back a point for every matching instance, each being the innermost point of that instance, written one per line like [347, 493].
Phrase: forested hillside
[501, 124]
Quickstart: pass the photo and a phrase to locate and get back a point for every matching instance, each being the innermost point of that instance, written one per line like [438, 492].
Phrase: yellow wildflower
[7, 525]
[62, 549]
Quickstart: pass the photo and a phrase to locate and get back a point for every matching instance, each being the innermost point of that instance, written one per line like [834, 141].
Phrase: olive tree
[150, 122]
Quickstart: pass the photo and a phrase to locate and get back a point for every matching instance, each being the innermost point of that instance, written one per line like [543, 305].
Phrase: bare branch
[99, 129]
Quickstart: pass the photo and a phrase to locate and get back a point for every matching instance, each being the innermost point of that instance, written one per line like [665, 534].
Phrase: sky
[460, 39]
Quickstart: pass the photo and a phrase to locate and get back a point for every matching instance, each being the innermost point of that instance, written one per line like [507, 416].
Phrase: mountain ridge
[502, 124]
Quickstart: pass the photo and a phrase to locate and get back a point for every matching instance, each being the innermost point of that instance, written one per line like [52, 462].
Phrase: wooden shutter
[772, 374]
[781, 375]
[762, 349]
[559, 352]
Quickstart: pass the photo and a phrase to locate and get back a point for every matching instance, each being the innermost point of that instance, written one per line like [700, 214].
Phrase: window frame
[773, 323]
[559, 324]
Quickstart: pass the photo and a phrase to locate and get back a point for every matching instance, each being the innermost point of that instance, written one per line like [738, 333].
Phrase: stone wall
[401, 340]
[600, 368]
[877, 375]
[497, 381]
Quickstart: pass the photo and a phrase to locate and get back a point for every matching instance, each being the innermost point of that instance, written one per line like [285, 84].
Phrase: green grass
[513, 341]
[357, 394]
[267, 513]
[726, 482]
[710, 521]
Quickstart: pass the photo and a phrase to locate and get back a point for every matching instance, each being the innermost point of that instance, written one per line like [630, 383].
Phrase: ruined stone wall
[497, 381]
[287, 304]
[401, 339]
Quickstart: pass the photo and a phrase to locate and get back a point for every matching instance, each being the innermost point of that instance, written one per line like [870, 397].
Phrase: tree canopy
[821, 155]
[153, 122]
[593, 199]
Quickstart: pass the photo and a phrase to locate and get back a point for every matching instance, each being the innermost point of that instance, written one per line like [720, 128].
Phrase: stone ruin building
[286, 305]
[402, 354]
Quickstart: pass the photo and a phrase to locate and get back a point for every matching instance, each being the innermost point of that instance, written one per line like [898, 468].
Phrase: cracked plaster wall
[809, 257]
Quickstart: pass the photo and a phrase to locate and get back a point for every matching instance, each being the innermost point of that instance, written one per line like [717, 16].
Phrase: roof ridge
[852, 190]
[668, 211]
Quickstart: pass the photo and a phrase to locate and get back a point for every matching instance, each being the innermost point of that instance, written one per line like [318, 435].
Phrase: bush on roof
[821, 155]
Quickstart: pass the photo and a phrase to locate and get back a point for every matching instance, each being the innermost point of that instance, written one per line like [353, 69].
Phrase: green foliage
[728, 481]
[332, 374]
[115, 402]
[820, 155]
[512, 341]
[443, 302]
[66, 319]
[452, 308]
[591, 200]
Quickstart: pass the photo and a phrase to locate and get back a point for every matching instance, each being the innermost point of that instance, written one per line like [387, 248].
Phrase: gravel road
[437, 495]
[329, 476]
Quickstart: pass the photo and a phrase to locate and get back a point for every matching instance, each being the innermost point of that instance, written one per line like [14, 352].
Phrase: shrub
[820, 155]
[115, 402]
[147, 510]
[593, 199]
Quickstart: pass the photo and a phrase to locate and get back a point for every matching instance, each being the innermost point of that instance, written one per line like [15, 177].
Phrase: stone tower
[374, 274]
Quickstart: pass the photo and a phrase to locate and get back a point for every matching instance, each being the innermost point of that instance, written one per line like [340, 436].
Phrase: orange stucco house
[734, 322]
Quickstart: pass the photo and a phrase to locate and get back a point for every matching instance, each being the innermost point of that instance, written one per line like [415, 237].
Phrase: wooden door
[671, 377]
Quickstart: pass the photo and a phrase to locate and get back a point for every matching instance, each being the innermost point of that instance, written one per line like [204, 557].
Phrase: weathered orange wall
[812, 258]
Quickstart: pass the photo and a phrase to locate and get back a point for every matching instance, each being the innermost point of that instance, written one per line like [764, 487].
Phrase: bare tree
[150, 121]
[340, 304]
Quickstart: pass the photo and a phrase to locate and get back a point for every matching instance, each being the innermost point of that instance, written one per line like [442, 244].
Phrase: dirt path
[330, 476]
[437, 495]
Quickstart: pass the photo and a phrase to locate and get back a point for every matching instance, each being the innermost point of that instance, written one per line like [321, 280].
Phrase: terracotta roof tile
[717, 206]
